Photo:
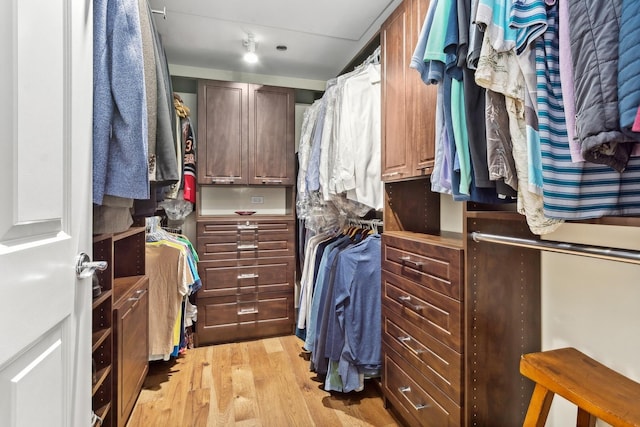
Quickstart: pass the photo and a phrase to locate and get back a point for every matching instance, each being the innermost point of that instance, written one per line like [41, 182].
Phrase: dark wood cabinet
[247, 270]
[271, 135]
[102, 332]
[408, 105]
[423, 328]
[223, 135]
[120, 325]
[245, 134]
[131, 321]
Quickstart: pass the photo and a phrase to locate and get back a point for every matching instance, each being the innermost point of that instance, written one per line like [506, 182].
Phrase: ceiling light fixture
[250, 44]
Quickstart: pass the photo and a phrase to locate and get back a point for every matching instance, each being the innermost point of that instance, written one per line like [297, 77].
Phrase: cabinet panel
[131, 318]
[245, 276]
[227, 240]
[434, 266]
[222, 132]
[396, 153]
[439, 364]
[420, 404]
[421, 99]
[408, 105]
[246, 134]
[271, 137]
[244, 316]
[438, 315]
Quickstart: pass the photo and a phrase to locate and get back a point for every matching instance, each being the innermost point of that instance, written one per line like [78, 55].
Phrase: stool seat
[597, 391]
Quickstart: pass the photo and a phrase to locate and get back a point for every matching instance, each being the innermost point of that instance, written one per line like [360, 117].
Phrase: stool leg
[585, 419]
[538, 407]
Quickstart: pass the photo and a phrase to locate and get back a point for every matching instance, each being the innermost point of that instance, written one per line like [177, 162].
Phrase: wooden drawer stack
[423, 328]
[247, 270]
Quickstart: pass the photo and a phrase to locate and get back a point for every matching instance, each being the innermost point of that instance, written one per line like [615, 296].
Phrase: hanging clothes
[171, 262]
[340, 307]
[339, 154]
[120, 134]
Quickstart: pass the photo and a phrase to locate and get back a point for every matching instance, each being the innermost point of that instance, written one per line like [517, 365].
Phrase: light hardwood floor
[257, 383]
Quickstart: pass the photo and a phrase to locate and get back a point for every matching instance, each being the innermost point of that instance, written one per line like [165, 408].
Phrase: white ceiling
[322, 36]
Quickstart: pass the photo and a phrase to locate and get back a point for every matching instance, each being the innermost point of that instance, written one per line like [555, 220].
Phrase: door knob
[85, 267]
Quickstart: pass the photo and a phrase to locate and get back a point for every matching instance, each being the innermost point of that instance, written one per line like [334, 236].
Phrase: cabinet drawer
[436, 314]
[244, 316]
[438, 363]
[425, 406]
[244, 240]
[245, 276]
[434, 266]
[131, 319]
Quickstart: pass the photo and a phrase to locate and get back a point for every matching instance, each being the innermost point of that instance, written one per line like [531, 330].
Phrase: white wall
[592, 304]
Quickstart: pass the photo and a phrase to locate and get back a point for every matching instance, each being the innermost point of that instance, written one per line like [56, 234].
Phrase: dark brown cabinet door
[421, 101]
[132, 342]
[408, 105]
[396, 153]
[271, 135]
[222, 132]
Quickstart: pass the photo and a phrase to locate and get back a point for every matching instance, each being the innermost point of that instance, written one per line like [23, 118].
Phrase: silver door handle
[85, 267]
[390, 174]
[405, 300]
[248, 276]
[405, 341]
[406, 260]
[247, 247]
[247, 227]
[404, 391]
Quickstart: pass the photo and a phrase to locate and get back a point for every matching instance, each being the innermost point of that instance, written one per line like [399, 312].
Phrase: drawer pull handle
[405, 341]
[390, 174]
[248, 276]
[405, 300]
[247, 247]
[405, 260]
[247, 311]
[247, 227]
[404, 391]
[139, 293]
[272, 181]
[222, 181]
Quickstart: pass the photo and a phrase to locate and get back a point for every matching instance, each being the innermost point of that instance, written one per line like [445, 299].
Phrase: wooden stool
[599, 392]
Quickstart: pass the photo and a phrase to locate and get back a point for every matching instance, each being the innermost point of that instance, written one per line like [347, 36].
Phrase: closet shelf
[443, 238]
[102, 412]
[123, 285]
[98, 337]
[495, 215]
[102, 375]
[623, 221]
[105, 295]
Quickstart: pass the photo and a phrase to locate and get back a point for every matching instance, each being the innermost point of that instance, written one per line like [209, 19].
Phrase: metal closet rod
[162, 12]
[601, 252]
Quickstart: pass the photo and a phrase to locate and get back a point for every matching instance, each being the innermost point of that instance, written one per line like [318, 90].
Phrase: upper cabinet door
[271, 135]
[396, 151]
[421, 101]
[222, 132]
[408, 105]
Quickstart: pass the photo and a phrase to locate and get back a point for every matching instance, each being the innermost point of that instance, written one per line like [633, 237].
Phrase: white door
[45, 212]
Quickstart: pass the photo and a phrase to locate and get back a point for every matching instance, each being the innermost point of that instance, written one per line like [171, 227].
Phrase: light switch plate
[257, 199]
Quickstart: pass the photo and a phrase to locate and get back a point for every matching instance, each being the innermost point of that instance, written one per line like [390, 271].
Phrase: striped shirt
[574, 190]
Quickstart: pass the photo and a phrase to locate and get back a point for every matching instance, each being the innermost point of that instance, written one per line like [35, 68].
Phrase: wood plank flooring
[256, 383]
